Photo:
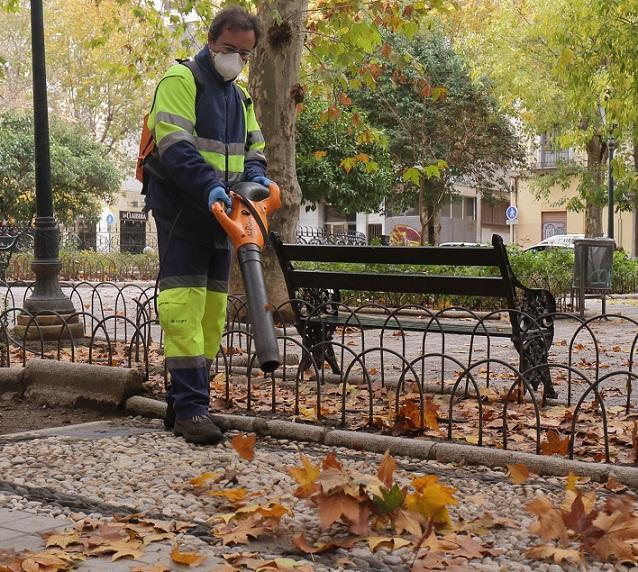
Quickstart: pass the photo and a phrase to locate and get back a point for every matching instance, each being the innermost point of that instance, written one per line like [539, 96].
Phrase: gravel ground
[149, 472]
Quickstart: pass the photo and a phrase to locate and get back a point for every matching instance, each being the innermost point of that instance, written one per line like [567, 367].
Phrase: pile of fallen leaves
[584, 525]
[122, 537]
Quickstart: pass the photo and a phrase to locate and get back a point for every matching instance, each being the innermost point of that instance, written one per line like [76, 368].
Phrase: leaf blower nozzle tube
[259, 308]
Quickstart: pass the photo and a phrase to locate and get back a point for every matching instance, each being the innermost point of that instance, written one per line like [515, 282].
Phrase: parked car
[464, 244]
[556, 241]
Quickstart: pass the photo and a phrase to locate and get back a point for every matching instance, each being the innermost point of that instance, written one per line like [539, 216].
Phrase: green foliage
[339, 161]
[81, 174]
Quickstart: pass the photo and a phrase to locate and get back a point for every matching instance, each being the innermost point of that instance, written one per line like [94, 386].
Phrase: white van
[556, 241]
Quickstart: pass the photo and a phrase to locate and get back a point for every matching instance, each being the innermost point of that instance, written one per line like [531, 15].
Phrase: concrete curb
[419, 448]
[12, 380]
[65, 384]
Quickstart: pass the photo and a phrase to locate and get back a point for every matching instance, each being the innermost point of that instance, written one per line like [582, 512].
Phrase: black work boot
[199, 429]
[169, 417]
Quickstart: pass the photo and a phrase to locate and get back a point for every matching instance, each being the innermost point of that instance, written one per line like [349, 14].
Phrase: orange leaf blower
[247, 228]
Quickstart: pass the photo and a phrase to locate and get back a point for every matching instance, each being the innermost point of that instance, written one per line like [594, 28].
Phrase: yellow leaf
[63, 539]
[232, 495]
[188, 558]
[431, 499]
[431, 414]
[245, 446]
[518, 473]
[319, 154]
[305, 476]
[203, 478]
[572, 479]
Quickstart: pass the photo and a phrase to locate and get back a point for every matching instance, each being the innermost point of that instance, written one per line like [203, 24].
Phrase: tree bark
[635, 244]
[596, 152]
[273, 85]
[429, 213]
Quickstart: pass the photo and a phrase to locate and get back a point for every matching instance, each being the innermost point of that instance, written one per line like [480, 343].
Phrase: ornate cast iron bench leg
[313, 335]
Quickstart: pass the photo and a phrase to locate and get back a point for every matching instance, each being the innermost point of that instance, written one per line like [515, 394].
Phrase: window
[374, 231]
[457, 208]
[550, 152]
[493, 212]
[470, 210]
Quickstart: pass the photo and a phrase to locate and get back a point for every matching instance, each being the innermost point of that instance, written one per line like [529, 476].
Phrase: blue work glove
[265, 181]
[219, 194]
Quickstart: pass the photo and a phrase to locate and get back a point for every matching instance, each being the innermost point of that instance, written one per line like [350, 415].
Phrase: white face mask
[228, 66]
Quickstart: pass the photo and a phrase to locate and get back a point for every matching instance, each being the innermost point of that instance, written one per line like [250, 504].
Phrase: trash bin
[593, 265]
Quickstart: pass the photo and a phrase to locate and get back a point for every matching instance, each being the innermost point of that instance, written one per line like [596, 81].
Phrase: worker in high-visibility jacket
[208, 138]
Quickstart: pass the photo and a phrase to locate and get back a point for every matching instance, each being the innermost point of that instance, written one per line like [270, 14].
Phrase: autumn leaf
[558, 555]
[241, 533]
[120, 549]
[386, 469]
[233, 495]
[345, 100]
[331, 461]
[431, 414]
[554, 444]
[188, 558]
[157, 567]
[618, 528]
[392, 543]
[62, 539]
[41, 561]
[344, 508]
[572, 480]
[431, 500]
[550, 525]
[245, 446]
[202, 479]
[518, 473]
[319, 154]
[305, 477]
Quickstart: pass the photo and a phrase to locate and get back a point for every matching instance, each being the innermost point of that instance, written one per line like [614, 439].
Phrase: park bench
[8, 245]
[316, 299]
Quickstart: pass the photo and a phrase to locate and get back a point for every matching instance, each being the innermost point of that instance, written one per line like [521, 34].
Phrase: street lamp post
[611, 147]
[47, 295]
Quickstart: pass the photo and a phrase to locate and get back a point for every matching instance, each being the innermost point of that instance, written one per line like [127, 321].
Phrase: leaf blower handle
[246, 235]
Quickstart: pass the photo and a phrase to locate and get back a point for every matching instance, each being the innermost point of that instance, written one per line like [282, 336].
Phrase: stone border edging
[420, 448]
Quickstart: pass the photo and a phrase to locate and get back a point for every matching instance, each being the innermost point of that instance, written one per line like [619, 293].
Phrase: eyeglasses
[243, 54]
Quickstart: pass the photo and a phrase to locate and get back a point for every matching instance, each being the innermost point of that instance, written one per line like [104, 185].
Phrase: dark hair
[234, 18]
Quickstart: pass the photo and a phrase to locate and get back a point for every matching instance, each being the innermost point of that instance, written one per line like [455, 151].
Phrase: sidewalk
[51, 479]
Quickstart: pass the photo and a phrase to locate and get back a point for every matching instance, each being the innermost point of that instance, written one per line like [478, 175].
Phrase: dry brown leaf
[554, 444]
[42, 562]
[202, 479]
[390, 542]
[431, 414]
[62, 539]
[120, 550]
[188, 558]
[518, 473]
[344, 508]
[550, 525]
[245, 446]
[618, 528]
[157, 567]
[241, 533]
[386, 470]
[558, 555]
[233, 495]
[613, 485]
[331, 461]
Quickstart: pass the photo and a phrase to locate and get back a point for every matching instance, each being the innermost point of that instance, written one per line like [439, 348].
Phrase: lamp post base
[47, 295]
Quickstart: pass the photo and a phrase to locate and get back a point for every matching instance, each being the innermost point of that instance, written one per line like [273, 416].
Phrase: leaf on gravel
[518, 473]
[386, 469]
[188, 558]
[157, 567]
[240, 533]
[233, 495]
[285, 564]
[245, 446]
[431, 500]
[391, 542]
[157, 537]
[557, 554]
[554, 444]
[431, 414]
[120, 550]
[62, 539]
[305, 477]
[614, 486]
[550, 525]
[301, 542]
[618, 528]
[344, 508]
[572, 481]
[404, 521]
[331, 461]
[202, 479]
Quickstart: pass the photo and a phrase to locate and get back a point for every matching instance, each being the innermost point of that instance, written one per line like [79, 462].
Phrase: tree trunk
[429, 213]
[274, 83]
[596, 153]
[635, 245]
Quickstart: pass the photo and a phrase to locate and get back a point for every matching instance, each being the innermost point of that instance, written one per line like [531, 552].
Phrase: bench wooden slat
[409, 324]
[426, 255]
[404, 283]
